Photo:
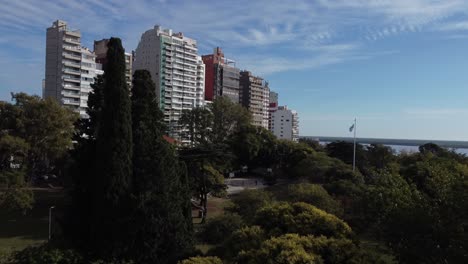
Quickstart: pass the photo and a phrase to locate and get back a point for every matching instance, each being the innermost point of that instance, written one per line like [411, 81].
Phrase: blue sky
[399, 66]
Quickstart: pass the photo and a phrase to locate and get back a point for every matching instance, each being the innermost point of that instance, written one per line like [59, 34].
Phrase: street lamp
[50, 221]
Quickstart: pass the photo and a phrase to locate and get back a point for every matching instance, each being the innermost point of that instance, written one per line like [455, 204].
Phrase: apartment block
[100, 49]
[254, 94]
[176, 69]
[273, 106]
[70, 68]
[221, 77]
[285, 123]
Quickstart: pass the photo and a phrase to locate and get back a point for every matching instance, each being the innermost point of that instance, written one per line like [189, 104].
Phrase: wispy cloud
[266, 36]
[435, 113]
[453, 26]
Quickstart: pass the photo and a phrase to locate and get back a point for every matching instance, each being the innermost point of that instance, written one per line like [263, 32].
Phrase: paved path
[236, 185]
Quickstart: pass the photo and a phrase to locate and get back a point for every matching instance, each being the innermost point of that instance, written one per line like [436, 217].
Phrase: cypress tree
[162, 216]
[113, 158]
[79, 216]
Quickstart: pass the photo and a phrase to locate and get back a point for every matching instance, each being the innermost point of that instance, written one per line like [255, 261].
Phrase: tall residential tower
[221, 77]
[176, 69]
[69, 69]
[255, 96]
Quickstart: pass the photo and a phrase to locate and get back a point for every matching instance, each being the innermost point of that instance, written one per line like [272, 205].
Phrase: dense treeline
[131, 191]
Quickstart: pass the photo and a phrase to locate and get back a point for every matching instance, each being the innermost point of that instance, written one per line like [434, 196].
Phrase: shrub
[217, 229]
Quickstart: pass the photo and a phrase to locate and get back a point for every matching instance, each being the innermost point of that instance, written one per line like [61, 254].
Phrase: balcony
[75, 33]
[71, 63]
[71, 87]
[71, 79]
[73, 41]
[71, 56]
[69, 94]
[189, 58]
[70, 102]
[72, 48]
[71, 71]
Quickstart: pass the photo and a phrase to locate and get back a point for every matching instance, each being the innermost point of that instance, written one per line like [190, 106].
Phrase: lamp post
[50, 221]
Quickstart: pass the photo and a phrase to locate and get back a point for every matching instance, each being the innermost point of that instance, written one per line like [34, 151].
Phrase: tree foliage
[228, 118]
[316, 195]
[162, 221]
[201, 260]
[216, 229]
[300, 218]
[248, 202]
[41, 128]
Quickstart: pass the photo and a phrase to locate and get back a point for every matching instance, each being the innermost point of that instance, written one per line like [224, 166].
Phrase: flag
[351, 128]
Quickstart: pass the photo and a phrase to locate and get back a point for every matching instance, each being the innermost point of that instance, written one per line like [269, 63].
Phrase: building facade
[284, 123]
[176, 69]
[221, 77]
[100, 49]
[273, 106]
[254, 94]
[69, 69]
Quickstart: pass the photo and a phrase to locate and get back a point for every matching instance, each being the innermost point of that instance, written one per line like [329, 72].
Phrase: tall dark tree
[82, 170]
[113, 157]
[162, 219]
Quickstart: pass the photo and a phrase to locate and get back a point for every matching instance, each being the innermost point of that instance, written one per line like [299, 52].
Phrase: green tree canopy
[316, 195]
[44, 125]
[201, 260]
[248, 202]
[300, 218]
[228, 117]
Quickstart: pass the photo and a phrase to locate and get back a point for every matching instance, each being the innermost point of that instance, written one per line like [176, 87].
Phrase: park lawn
[18, 231]
[215, 208]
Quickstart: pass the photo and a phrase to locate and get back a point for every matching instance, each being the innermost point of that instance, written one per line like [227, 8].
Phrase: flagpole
[354, 152]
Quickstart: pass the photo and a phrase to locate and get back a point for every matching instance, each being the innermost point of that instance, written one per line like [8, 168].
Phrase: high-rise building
[70, 68]
[255, 96]
[221, 77]
[100, 49]
[176, 69]
[285, 124]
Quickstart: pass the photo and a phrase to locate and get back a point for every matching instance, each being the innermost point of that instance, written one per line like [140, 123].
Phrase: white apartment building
[89, 70]
[176, 69]
[70, 68]
[285, 123]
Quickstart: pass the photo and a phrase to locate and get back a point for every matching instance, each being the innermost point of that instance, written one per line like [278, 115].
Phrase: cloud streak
[264, 35]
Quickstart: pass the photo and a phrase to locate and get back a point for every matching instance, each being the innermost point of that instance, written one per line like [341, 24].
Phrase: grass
[215, 208]
[18, 231]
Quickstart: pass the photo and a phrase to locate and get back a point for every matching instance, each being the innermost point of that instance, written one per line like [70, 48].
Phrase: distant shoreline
[387, 141]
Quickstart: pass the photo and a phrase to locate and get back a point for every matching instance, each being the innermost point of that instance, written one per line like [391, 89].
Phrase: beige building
[254, 94]
[176, 69]
[70, 68]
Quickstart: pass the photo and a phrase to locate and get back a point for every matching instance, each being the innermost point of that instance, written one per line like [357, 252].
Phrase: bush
[217, 229]
[302, 219]
[46, 254]
[315, 195]
[292, 248]
[248, 202]
[244, 239]
[201, 260]
[17, 199]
